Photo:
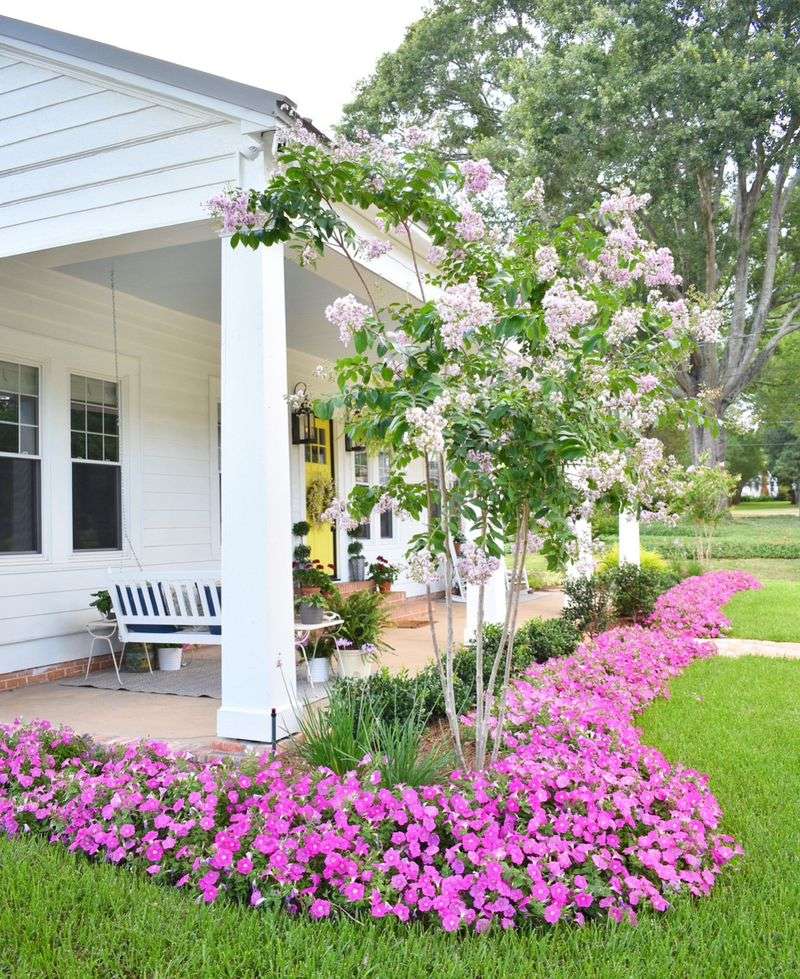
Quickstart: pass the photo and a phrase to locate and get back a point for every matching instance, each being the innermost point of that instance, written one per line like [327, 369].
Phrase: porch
[198, 345]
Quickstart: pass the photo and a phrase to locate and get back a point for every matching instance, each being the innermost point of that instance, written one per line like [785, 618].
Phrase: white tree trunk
[630, 551]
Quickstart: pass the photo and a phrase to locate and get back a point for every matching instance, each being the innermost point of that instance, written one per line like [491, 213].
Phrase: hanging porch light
[303, 428]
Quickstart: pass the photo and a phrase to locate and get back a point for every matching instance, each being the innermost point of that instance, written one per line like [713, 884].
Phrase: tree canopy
[696, 103]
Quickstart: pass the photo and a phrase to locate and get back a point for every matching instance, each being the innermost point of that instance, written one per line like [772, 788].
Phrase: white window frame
[8, 355]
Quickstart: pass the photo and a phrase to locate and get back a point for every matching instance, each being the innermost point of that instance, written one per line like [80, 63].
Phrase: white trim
[214, 470]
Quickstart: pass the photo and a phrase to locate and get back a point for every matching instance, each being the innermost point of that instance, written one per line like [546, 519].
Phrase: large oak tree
[697, 103]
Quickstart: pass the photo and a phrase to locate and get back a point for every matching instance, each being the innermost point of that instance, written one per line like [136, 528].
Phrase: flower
[477, 175]
[475, 566]
[535, 195]
[462, 311]
[347, 315]
[547, 262]
[471, 227]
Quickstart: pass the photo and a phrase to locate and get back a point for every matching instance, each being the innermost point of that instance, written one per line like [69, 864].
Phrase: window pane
[94, 391]
[77, 417]
[9, 440]
[361, 467]
[28, 440]
[96, 508]
[387, 524]
[19, 506]
[111, 447]
[94, 447]
[110, 422]
[110, 394]
[78, 387]
[78, 442]
[9, 407]
[29, 410]
[94, 420]
[9, 376]
[28, 380]
[362, 532]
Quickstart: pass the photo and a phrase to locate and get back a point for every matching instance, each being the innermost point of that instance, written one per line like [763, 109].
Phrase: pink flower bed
[578, 820]
[694, 607]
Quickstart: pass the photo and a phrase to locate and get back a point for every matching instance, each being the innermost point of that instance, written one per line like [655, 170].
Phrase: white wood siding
[80, 159]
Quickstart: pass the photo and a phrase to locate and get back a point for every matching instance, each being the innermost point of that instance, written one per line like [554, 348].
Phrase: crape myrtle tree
[521, 382]
[696, 102]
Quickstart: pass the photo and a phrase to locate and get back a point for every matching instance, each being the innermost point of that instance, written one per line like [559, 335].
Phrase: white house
[148, 422]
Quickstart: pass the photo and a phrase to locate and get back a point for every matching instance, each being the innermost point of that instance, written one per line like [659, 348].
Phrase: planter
[320, 669]
[169, 658]
[357, 566]
[308, 590]
[135, 658]
[384, 587]
[311, 614]
[354, 663]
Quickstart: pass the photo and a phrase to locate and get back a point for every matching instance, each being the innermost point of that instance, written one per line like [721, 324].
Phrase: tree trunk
[705, 443]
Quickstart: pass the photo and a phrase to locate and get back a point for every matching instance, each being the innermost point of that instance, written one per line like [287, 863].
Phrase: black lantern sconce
[303, 428]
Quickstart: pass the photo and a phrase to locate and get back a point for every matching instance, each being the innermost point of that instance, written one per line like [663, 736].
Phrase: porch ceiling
[186, 278]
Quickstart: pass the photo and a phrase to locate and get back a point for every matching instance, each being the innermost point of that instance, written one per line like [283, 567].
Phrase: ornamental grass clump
[577, 820]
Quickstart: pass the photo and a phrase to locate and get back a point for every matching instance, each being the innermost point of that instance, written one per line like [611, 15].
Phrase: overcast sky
[313, 51]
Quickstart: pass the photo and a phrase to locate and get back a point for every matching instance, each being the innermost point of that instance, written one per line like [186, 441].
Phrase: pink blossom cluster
[483, 460]
[477, 175]
[623, 202]
[564, 309]
[231, 209]
[374, 247]
[428, 425]
[462, 310]
[338, 513]
[547, 262]
[578, 820]
[694, 607]
[534, 196]
[471, 227]
[422, 567]
[474, 565]
[348, 315]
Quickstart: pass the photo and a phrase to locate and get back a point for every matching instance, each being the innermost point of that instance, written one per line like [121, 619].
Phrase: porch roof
[247, 97]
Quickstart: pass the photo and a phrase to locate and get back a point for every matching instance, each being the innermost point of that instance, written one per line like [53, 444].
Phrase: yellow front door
[319, 465]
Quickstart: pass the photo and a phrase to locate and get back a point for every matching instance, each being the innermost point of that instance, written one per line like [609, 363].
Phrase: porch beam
[258, 672]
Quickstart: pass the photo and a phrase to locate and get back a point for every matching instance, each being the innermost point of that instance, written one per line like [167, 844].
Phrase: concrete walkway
[190, 722]
[757, 647]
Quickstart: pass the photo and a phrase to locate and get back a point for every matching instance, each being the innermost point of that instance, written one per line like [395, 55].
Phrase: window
[387, 518]
[361, 477]
[96, 470]
[317, 451]
[20, 464]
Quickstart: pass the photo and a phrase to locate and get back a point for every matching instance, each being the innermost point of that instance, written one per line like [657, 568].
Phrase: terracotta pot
[308, 590]
[385, 587]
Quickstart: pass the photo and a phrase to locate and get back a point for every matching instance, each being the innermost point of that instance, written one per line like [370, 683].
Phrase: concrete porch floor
[190, 722]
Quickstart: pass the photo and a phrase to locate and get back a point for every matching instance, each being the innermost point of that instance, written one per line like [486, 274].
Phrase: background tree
[776, 399]
[696, 103]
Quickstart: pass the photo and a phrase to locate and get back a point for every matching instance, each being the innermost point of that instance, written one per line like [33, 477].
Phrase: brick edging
[48, 674]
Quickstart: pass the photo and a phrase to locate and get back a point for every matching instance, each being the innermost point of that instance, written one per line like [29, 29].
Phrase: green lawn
[772, 613]
[739, 720]
[754, 506]
[765, 569]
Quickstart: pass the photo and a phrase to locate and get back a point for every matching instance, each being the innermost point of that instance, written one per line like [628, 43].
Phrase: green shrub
[632, 591]
[650, 560]
[401, 756]
[542, 639]
[587, 605]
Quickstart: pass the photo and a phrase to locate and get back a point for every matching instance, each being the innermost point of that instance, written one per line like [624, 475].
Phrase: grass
[64, 918]
[772, 613]
[765, 569]
[754, 506]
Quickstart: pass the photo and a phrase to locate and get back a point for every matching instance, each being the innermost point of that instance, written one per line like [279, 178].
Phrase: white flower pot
[320, 669]
[169, 658]
[353, 663]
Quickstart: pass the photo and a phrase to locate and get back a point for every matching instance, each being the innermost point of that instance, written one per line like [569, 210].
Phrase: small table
[303, 634]
[103, 630]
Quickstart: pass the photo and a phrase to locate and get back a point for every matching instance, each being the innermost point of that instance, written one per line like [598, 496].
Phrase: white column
[583, 565]
[629, 548]
[258, 671]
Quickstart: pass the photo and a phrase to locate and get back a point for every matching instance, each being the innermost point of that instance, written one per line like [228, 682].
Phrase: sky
[313, 51]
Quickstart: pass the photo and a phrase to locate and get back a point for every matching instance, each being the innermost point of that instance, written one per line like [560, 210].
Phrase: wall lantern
[303, 427]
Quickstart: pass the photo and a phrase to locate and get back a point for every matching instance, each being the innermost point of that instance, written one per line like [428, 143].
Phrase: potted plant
[308, 574]
[359, 638]
[102, 602]
[170, 657]
[356, 561]
[311, 609]
[319, 664]
[383, 573]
